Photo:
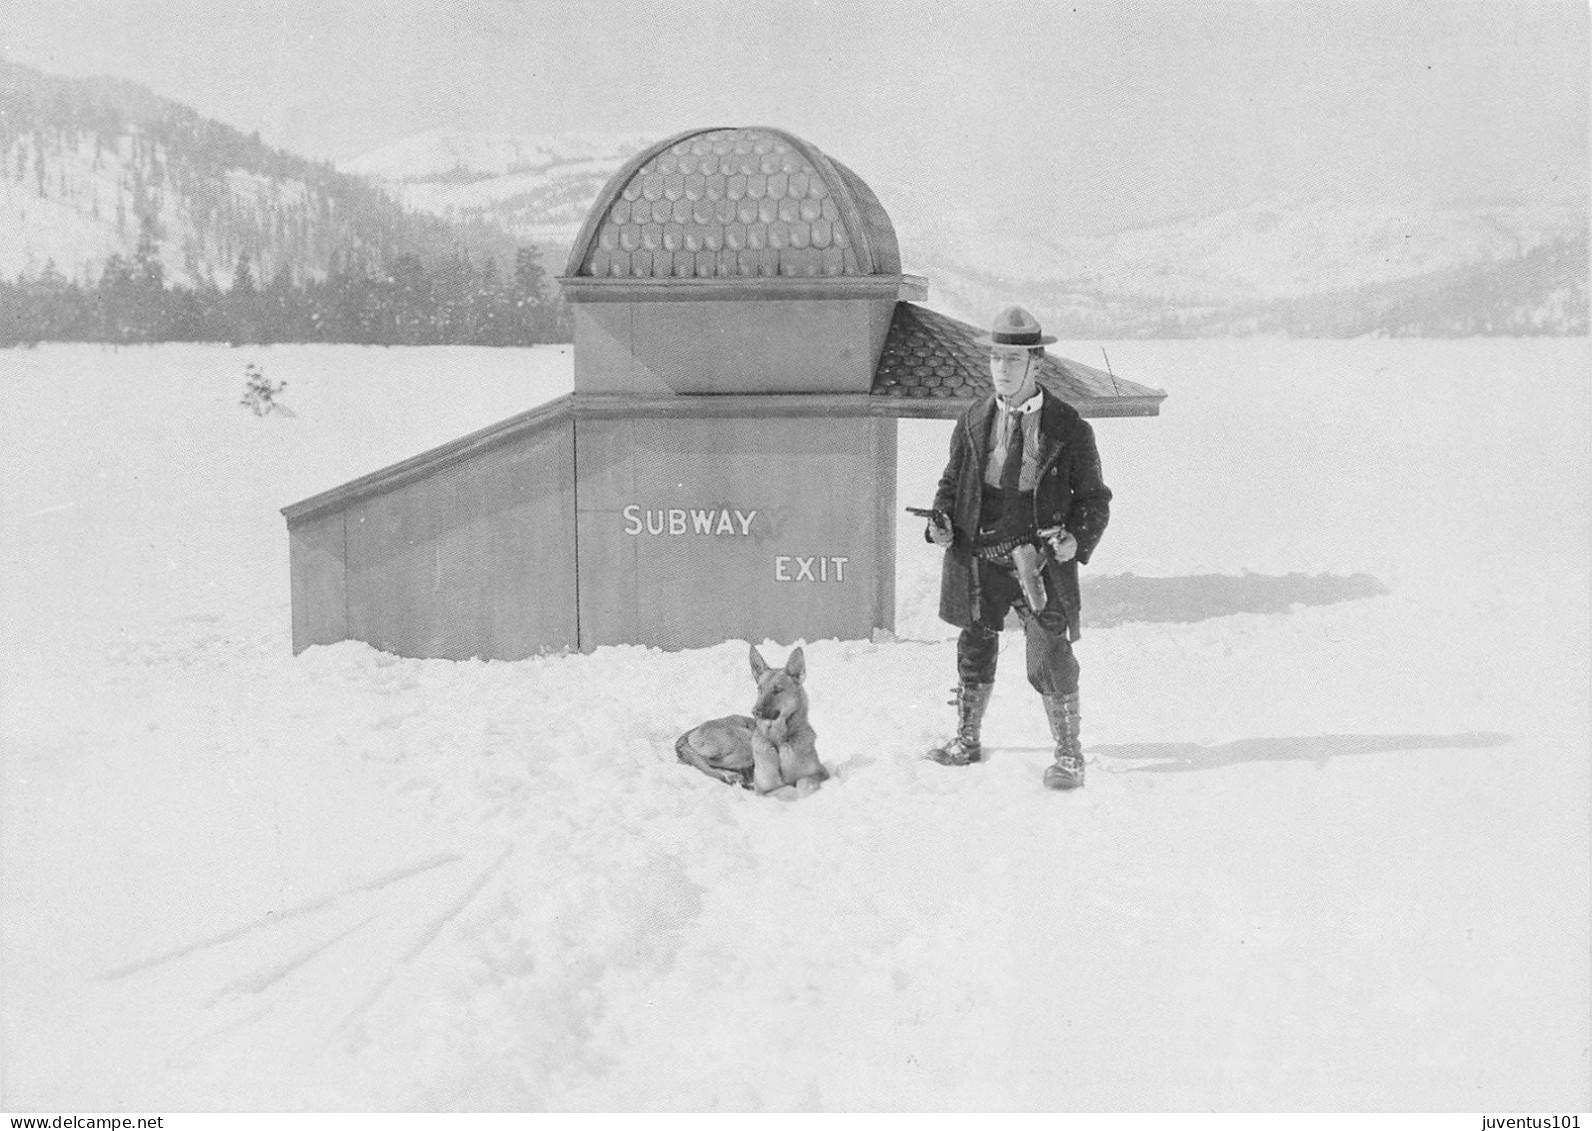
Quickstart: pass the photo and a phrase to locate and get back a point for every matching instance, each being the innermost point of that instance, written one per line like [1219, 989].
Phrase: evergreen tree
[148, 297]
[147, 267]
[243, 277]
[452, 290]
[16, 319]
[185, 320]
[410, 308]
[491, 303]
[54, 309]
[242, 306]
[532, 321]
[117, 298]
[280, 313]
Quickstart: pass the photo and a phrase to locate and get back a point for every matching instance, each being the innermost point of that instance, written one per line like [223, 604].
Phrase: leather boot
[1062, 711]
[963, 749]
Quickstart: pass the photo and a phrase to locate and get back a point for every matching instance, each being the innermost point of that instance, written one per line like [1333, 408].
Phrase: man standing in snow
[1020, 505]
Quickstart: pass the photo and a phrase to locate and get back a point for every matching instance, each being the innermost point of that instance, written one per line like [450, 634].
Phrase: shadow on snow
[1177, 757]
[1113, 599]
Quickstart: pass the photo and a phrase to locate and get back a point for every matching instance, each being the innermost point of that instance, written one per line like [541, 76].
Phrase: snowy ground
[1329, 858]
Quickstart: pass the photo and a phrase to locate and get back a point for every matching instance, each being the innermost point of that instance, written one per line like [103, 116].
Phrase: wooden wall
[695, 348]
[697, 530]
[318, 555]
[609, 522]
[468, 552]
[732, 337]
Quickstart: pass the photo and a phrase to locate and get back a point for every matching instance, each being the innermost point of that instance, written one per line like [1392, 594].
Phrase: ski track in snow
[291, 913]
[1328, 859]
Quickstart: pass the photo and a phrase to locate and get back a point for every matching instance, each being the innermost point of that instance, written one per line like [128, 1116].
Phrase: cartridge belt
[1000, 552]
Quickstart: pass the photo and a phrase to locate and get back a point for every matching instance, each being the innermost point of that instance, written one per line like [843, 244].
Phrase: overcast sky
[1103, 111]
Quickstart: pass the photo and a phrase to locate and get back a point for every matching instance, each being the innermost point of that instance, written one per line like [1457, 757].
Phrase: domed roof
[735, 203]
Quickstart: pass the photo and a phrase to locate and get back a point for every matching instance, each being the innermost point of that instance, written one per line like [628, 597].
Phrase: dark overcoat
[1068, 492]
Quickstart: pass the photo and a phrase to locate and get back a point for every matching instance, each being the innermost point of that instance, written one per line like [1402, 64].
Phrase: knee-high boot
[964, 748]
[1062, 711]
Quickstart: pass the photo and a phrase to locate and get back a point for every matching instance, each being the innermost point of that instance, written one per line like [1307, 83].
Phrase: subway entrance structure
[725, 468]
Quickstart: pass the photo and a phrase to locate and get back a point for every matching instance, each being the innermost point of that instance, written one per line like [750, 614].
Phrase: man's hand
[939, 530]
[1062, 544]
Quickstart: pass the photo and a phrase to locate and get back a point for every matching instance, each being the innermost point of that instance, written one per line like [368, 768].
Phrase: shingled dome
[735, 203]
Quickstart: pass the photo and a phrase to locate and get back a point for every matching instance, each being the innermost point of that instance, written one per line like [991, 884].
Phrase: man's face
[1010, 367]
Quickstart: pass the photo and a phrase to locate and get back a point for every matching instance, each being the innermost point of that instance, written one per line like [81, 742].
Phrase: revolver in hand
[939, 529]
[1063, 546]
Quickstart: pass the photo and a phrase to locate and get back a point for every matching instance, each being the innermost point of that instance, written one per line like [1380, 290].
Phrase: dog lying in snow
[773, 751]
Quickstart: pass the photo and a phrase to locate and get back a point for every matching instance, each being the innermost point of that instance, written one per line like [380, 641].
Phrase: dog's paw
[807, 785]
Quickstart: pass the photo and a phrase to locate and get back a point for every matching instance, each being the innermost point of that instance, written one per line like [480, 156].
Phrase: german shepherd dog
[773, 750]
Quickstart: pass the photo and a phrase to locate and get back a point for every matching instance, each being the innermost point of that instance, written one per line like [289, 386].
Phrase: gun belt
[1001, 552]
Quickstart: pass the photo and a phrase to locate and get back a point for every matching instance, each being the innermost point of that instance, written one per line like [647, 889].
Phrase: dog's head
[779, 693]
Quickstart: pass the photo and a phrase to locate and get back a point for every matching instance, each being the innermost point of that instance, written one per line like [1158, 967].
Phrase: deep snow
[1332, 858]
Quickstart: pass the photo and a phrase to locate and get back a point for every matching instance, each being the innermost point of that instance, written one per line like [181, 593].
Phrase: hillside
[88, 167]
[538, 188]
[1304, 268]
[86, 163]
[1318, 268]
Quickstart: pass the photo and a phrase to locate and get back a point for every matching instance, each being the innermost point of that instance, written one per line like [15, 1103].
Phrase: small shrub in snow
[260, 392]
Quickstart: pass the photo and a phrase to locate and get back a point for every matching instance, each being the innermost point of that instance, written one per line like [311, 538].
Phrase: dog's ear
[759, 665]
[796, 665]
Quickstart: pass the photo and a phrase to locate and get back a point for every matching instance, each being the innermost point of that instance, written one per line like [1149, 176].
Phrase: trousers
[1052, 667]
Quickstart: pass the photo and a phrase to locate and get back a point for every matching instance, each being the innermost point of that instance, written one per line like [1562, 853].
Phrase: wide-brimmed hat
[1014, 326]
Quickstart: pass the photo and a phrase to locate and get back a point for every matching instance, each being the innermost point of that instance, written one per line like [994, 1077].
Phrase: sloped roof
[929, 357]
[735, 203]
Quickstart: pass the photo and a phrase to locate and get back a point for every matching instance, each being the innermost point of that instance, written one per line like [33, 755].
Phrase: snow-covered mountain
[1306, 267]
[538, 188]
[89, 166]
[1275, 254]
[436, 155]
[73, 200]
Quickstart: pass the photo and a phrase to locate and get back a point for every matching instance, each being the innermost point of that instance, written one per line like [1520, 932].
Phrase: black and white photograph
[795, 556]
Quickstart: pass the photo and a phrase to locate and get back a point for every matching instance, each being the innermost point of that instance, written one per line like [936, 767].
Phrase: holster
[1029, 564]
